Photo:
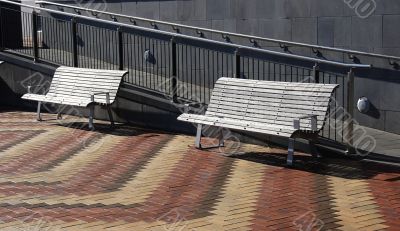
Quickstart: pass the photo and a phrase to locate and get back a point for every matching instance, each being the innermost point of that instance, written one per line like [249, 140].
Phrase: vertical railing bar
[74, 42]
[350, 110]
[108, 55]
[186, 76]
[205, 78]
[159, 65]
[336, 81]
[120, 49]
[166, 66]
[103, 48]
[135, 59]
[103, 34]
[316, 73]
[174, 70]
[194, 70]
[236, 64]
[156, 50]
[210, 83]
[34, 37]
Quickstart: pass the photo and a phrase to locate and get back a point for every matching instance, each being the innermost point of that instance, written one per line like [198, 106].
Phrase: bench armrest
[29, 87]
[101, 93]
[296, 122]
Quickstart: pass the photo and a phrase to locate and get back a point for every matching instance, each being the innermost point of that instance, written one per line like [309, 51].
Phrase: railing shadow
[340, 166]
[105, 128]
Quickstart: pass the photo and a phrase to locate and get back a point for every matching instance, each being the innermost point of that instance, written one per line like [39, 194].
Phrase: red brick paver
[59, 176]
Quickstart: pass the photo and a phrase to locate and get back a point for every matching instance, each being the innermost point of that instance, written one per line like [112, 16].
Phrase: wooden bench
[286, 109]
[80, 87]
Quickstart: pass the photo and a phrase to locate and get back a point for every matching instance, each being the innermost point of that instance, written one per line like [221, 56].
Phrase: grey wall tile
[148, 9]
[219, 9]
[392, 122]
[297, 8]
[192, 10]
[342, 33]
[391, 32]
[327, 8]
[304, 30]
[276, 28]
[367, 32]
[326, 31]
[244, 9]
[168, 10]
[387, 7]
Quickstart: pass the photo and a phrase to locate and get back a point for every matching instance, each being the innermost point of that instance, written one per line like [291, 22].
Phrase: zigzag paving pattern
[57, 175]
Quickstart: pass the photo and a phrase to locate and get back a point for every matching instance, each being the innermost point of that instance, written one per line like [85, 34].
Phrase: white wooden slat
[244, 82]
[89, 70]
[88, 76]
[88, 81]
[265, 104]
[275, 84]
[87, 86]
[261, 100]
[274, 96]
[261, 113]
[305, 124]
[270, 101]
[82, 78]
[273, 91]
[314, 87]
[264, 108]
[278, 118]
[234, 124]
[237, 122]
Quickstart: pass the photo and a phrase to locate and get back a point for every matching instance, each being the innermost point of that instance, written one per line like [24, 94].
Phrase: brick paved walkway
[61, 177]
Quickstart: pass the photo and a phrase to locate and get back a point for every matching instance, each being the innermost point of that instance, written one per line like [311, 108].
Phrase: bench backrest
[270, 102]
[70, 82]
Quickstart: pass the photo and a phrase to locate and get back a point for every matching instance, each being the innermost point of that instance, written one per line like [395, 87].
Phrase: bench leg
[289, 160]
[91, 115]
[197, 142]
[314, 150]
[110, 116]
[221, 138]
[59, 116]
[39, 117]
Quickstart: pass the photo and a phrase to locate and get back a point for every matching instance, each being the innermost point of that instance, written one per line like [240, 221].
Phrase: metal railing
[317, 49]
[182, 67]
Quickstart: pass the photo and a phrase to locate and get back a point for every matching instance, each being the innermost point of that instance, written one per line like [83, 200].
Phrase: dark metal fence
[181, 67]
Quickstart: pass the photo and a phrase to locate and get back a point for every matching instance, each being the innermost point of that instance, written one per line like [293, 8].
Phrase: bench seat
[269, 129]
[72, 101]
[80, 87]
[285, 109]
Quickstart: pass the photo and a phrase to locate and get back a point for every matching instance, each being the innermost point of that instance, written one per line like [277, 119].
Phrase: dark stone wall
[325, 22]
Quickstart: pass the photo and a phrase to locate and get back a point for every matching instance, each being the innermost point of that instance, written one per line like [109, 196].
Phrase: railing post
[34, 36]
[236, 64]
[349, 132]
[74, 42]
[174, 80]
[315, 73]
[120, 49]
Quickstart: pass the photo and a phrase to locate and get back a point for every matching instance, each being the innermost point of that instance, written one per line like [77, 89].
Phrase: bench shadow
[340, 166]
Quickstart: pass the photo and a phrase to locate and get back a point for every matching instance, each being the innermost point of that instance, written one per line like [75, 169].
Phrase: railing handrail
[282, 43]
[304, 58]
